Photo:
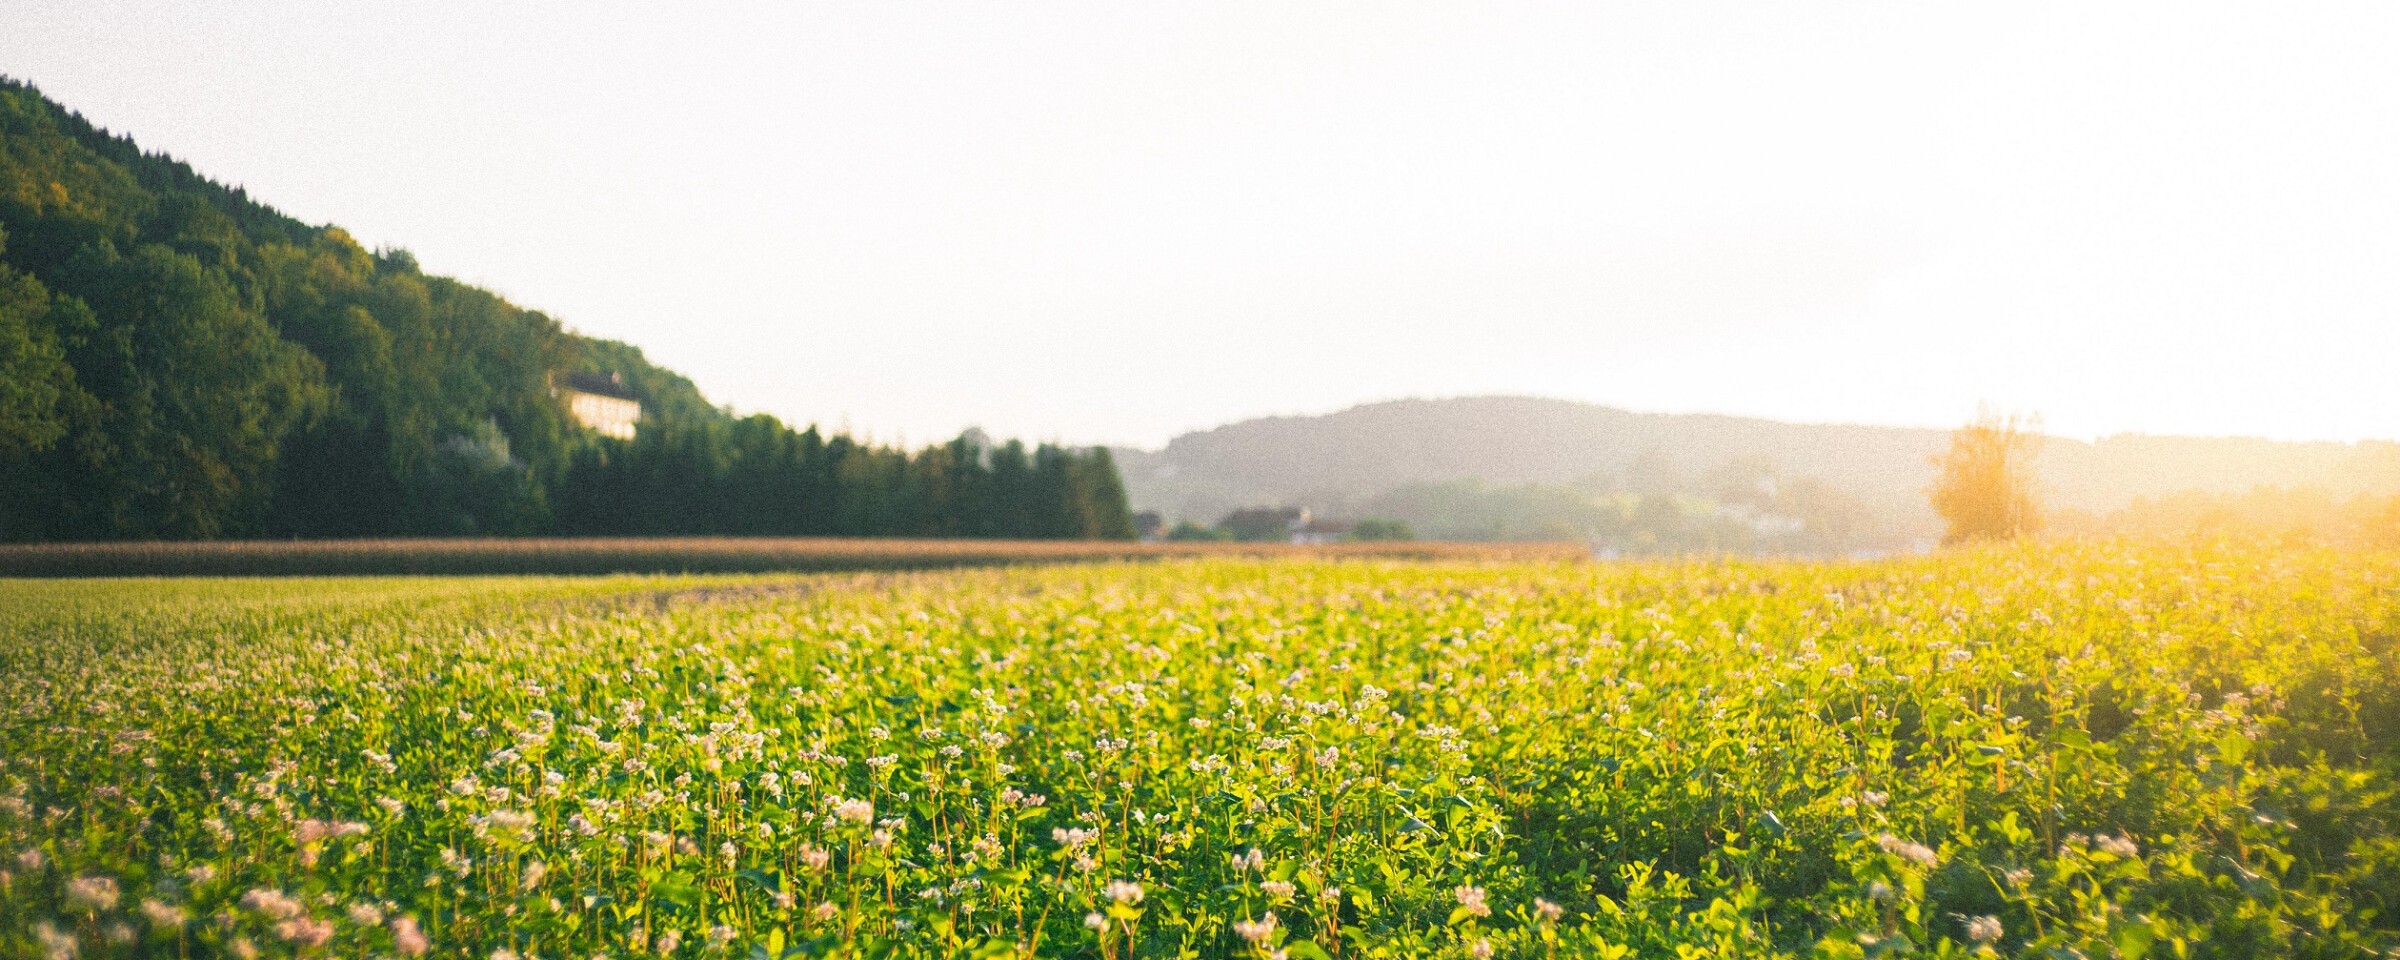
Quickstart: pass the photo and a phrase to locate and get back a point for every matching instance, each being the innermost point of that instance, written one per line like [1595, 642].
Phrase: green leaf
[1305, 950]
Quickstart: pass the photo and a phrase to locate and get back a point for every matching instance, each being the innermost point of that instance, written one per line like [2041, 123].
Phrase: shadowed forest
[181, 361]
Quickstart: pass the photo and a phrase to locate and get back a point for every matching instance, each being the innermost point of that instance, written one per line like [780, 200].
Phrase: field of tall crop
[2066, 751]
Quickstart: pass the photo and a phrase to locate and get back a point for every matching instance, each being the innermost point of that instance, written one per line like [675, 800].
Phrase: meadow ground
[2083, 750]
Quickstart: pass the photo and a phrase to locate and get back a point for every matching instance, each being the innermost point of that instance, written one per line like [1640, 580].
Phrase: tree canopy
[1986, 487]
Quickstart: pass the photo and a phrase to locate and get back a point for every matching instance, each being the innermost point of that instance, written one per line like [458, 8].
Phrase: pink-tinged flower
[272, 903]
[1549, 912]
[1256, 931]
[304, 932]
[1125, 891]
[1916, 853]
[1472, 900]
[1984, 929]
[408, 939]
[56, 944]
[91, 894]
[162, 915]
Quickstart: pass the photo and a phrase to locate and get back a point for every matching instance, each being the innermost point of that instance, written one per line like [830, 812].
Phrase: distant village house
[601, 402]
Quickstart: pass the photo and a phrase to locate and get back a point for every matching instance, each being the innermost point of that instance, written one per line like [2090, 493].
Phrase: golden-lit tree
[1986, 487]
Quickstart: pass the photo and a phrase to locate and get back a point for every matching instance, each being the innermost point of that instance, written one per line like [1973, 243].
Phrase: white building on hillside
[602, 403]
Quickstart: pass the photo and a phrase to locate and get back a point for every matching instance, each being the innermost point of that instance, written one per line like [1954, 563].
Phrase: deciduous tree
[1986, 487]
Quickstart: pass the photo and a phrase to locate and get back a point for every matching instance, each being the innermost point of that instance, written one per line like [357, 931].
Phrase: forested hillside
[178, 360]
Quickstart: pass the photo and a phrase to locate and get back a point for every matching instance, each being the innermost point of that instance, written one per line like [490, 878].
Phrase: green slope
[182, 361]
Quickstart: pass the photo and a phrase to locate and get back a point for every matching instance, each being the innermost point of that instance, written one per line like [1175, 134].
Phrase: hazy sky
[1119, 221]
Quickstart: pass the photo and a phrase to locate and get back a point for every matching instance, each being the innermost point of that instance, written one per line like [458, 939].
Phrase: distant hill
[1435, 455]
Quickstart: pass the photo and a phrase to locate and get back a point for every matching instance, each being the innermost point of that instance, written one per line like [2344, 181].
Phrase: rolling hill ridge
[1416, 458]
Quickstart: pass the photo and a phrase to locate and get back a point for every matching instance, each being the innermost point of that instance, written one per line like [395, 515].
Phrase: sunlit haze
[1117, 222]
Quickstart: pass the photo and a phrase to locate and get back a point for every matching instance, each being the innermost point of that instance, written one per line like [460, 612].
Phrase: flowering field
[2055, 752]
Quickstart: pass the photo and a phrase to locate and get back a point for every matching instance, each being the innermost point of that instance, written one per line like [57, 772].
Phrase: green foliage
[1741, 508]
[1190, 531]
[1261, 524]
[756, 477]
[2097, 751]
[182, 362]
[1378, 529]
[36, 383]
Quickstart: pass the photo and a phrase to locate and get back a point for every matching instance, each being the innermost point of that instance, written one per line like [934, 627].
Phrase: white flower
[1984, 929]
[56, 944]
[1916, 853]
[1125, 891]
[1095, 921]
[162, 915]
[91, 894]
[1472, 899]
[410, 940]
[2118, 846]
[1549, 912]
[304, 932]
[1256, 931]
[1277, 889]
[273, 903]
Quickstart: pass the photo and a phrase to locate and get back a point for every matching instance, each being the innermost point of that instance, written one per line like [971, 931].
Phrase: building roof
[602, 384]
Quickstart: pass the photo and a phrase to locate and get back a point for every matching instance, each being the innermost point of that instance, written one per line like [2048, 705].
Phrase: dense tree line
[178, 360]
[756, 476]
